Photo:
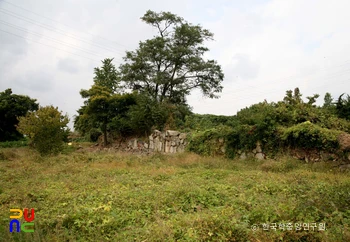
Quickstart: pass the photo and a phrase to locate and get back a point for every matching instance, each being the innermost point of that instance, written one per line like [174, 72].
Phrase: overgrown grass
[101, 196]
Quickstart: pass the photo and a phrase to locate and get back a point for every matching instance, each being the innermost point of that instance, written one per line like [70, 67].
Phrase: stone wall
[168, 142]
[256, 153]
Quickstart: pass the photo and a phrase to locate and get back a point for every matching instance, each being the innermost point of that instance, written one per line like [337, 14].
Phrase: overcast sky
[48, 49]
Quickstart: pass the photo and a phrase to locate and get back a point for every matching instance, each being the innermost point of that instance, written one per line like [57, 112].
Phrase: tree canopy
[161, 72]
[343, 106]
[13, 106]
[172, 64]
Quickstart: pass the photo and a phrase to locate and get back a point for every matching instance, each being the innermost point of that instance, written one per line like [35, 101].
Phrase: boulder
[182, 136]
[344, 141]
[243, 156]
[258, 147]
[172, 133]
[260, 156]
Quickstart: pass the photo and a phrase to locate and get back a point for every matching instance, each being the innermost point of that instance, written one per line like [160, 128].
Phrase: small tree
[46, 128]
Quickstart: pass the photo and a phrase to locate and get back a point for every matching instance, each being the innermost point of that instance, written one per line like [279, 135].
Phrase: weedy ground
[104, 196]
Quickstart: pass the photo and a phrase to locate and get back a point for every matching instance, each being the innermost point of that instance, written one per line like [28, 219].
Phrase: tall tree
[13, 106]
[172, 64]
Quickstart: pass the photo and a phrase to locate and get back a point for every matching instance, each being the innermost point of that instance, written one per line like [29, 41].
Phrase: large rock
[167, 146]
[260, 156]
[243, 156]
[182, 136]
[344, 141]
[258, 147]
[172, 133]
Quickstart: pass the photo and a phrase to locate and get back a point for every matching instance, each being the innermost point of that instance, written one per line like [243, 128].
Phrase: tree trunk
[104, 134]
[165, 89]
[156, 93]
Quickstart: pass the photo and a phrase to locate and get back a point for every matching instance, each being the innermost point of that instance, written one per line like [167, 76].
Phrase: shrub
[208, 142]
[46, 129]
[311, 136]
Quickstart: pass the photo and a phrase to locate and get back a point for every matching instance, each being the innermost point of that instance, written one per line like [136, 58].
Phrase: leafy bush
[210, 141]
[259, 122]
[311, 136]
[46, 129]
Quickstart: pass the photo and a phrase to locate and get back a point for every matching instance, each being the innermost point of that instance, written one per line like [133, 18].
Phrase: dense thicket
[291, 122]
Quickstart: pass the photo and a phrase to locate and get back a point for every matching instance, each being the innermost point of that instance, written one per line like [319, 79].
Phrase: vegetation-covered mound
[290, 123]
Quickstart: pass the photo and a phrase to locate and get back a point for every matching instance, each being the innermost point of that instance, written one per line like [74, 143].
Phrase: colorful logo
[24, 226]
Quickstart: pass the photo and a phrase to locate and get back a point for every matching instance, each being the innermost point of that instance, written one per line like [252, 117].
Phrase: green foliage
[307, 135]
[103, 108]
[13, 144]
[106, 76]
[201, 122]
[209, 142]
[94, 134]
[46, 129]
[171, 64]
[149, 114]
[328, 101]
[13, 106]
[343, 107]
[161, 72]
[288, 123]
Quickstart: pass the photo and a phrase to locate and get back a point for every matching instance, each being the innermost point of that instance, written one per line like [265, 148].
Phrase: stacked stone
[256, 153]
[174, 142]
[168, 142]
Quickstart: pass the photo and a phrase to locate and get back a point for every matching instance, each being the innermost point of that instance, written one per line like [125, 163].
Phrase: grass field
[101, 196]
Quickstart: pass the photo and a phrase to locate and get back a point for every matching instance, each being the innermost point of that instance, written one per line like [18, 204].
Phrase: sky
[49, 49]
